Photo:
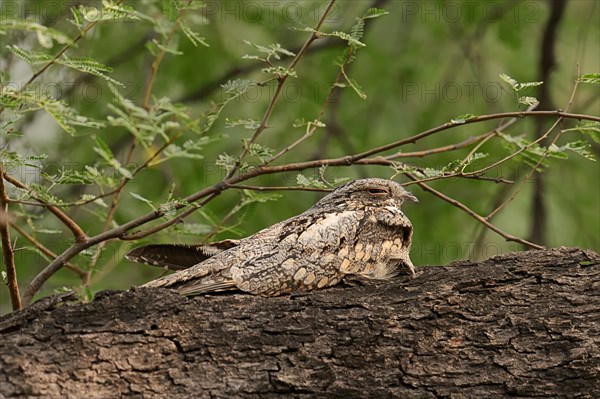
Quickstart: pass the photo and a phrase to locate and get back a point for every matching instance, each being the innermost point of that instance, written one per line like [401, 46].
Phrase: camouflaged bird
[358, 230]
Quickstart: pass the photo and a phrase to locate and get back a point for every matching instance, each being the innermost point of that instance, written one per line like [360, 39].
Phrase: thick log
[518, 325]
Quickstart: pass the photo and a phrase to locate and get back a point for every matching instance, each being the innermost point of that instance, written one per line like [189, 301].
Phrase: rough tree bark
[520, 325]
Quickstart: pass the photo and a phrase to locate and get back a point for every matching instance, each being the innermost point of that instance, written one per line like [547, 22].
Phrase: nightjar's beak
[409, 196]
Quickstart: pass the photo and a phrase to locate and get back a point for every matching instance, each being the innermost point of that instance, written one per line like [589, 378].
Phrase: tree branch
[7, 249]
[475, 215]
[47, 251]
[79, 234]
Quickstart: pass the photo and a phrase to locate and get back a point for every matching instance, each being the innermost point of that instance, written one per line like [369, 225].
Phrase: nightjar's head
[369, 192]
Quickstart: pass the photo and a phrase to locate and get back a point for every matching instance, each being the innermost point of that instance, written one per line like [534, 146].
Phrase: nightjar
[357, 231]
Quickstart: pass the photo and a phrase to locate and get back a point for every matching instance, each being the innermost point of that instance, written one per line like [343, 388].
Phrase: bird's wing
[296, 255]
[209, 285]
[178, 256]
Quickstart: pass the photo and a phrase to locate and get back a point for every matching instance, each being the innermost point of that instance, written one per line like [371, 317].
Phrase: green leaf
[48, 231]
[194, 37]
[68, 176]
[261, 152]
[170, 50]
[463, 118]
[357, 30]
[429, 172]
[345, 36]
[452, 167]
[273, 50]
[374, 12]
[232, 90]
[512, 82]
[170, 10]
[251, 196]
[516, 86]
[305, 181]
[105, 152]
[164, 119]
[581, 148]
[191, 5]
[191, 149]
[66, 117]
[357, 89]
[250, 124]
[9, 125]
[101, 178]
[111, 11]
[590, 78]
[280, 71]
[236, 87]
[526, 100]
[143, 199]
[300, 122]
[77, 18]
[88, 65]
[531, 153]
[225, 162]
[44, 194]
[45, 35]
[529, 84]
[590, 128]
[32, 58]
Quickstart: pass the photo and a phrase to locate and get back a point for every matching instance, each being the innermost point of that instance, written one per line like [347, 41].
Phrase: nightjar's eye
[378, 192]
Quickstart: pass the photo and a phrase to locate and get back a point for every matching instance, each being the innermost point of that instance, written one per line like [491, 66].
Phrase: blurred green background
[424, 64]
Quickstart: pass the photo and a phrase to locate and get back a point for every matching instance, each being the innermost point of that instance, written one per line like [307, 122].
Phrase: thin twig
[111, 212]
[461, 175]
[64, 204]
[281, 82]
[157, 62]
[502, 192]
[46, 251]
[465, 160]
[279, 188]
[475, 215]
[546, 153]
[8, 253]
[492, 134]
[438, 150]
[193, 208]
[315, 124]
[79, 234]
[218, 227]
[529, 174]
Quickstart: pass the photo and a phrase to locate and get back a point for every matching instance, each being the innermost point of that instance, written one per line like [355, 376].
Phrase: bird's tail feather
[178, 256]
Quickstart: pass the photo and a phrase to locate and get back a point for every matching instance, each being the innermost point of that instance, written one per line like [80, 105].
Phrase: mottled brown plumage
[357, 230]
